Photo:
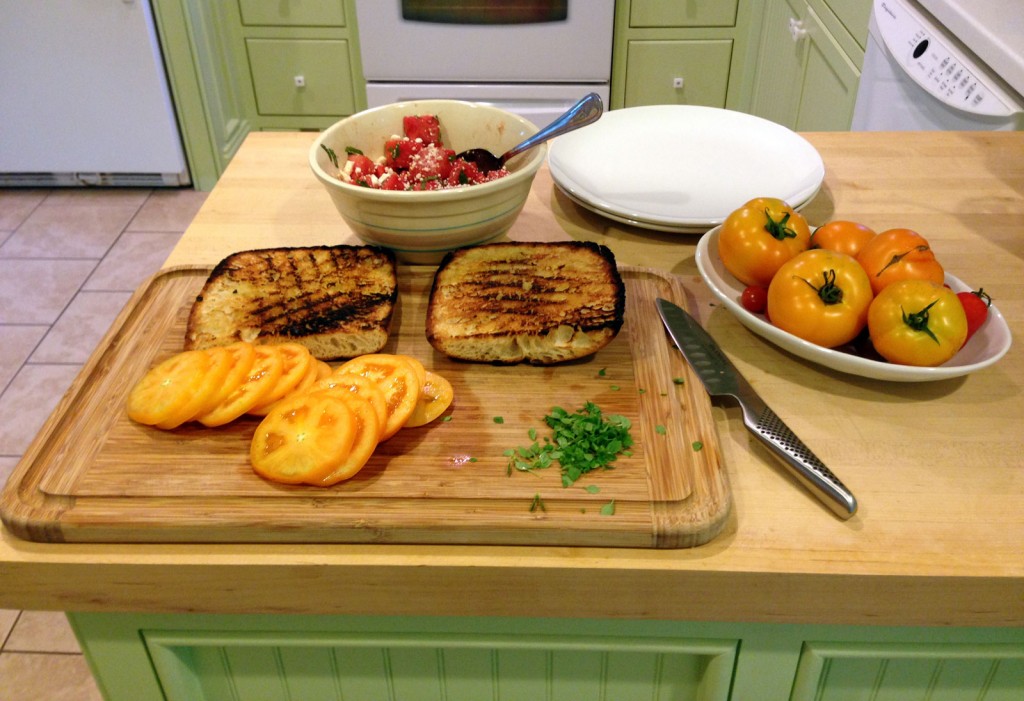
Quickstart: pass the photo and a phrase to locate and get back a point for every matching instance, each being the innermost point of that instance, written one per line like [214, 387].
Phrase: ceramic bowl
[422, 226]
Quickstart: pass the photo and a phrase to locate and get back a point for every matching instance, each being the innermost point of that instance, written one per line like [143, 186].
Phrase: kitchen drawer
[854, 15]
[302, 77]
[293, 13]
[692, 13]
[654, 68]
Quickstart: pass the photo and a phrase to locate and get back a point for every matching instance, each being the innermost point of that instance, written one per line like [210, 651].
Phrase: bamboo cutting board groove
[92, 475]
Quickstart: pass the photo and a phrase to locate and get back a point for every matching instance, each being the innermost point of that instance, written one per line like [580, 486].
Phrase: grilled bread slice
[335, 300]
[540, 303]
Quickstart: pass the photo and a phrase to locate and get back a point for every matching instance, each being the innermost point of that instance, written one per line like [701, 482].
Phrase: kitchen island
[923, 587]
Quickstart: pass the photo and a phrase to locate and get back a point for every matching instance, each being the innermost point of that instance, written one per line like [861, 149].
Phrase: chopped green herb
[592, 488]
[697, 446]
[660, 430]
[580, 443]
[614, 388]
[447, 418]
[602, 372]
[499, 419]
[678, 381]
[330, 154]
[472, 459]
[532, 433]
[537, 504]
[608, 509]
[353, 151]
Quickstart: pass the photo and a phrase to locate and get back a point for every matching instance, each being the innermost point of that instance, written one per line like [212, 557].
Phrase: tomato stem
[779, 229]
[897, 257]
[829, 292]
[918, 321]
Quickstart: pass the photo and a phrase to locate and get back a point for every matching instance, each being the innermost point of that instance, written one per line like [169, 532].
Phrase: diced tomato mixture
[416, 161]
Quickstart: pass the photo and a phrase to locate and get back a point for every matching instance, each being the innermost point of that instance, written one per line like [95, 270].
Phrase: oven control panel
[933, 61]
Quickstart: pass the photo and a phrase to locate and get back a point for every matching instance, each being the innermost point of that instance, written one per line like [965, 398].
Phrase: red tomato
[754, 299]
[899, 254]
[756, 239]
[842, 237]
[975, 306]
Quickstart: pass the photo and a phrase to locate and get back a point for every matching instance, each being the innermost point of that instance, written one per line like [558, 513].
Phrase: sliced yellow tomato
[242, 356]
[397, 378]
[169, 394]
[435, 397]
[367, 435]
[421, 371]
[357, 384]
[265, 372]
[323, 370]
[303, 439]
[297, 362]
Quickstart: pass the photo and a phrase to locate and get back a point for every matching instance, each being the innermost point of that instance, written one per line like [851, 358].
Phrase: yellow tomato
[899, 254]
[820, 296]
[756, 239]
[399, 380]
[916, 322]
[435, 397]
[170, 394]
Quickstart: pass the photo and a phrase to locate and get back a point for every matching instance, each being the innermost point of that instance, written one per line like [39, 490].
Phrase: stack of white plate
[681, 168]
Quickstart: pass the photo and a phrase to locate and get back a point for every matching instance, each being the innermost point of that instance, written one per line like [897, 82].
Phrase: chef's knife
[721, 378]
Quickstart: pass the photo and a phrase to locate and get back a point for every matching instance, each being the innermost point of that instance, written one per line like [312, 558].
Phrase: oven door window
[485, 11]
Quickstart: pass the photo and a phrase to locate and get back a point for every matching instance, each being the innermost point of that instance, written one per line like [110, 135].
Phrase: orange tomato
[397, 378]
[842, 237]
[169, 394]
[820, 296]
[899, 254]
[303, 439]
[297, 364]
[243, 355]
[367, 435]
[265, 372]
[917, 322]
[435, 397]
[350, 383]
[756, 239]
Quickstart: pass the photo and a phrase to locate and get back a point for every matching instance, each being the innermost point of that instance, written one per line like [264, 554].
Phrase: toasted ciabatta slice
[541, 303]
[335, 300]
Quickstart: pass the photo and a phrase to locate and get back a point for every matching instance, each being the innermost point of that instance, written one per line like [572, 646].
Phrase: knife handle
[804, 464]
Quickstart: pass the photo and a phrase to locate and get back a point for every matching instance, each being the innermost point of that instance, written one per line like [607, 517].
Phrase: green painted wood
[195, 657]
[299, 13]
[830, 82]
[854, 16]
[322, 66]
[702, 65]
[693, 13]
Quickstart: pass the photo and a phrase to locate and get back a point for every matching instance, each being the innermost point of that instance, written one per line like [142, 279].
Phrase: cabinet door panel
[690, 13]
[779, 66]
[301, 76]
[909, 672]
[829, 83]
[295, 13]
[653, 67]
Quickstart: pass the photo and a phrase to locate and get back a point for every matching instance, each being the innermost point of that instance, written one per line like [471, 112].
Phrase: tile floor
[69, 260]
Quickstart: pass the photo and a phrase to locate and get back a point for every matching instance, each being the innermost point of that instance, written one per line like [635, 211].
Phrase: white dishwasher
[917, 75]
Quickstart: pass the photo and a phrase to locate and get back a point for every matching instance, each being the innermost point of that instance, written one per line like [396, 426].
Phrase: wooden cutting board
[93, 475]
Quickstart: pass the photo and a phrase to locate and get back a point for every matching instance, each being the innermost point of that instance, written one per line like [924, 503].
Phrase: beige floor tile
[80, 328]
[16, 344]
[168, 210]
[100, 196]
[68, 231]
[46, 677]
[132, 260]
[28, 401]
[37, 291]
[42, 631]
[7, 465]
[7, 619]
[16, 205]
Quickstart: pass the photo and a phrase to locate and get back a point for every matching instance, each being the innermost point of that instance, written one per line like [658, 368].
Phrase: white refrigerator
[84, 98]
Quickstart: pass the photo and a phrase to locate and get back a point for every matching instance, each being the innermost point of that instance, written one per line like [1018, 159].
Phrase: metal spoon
[584, 112]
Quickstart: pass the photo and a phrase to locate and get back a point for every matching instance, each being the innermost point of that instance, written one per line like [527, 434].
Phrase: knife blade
[721, 378]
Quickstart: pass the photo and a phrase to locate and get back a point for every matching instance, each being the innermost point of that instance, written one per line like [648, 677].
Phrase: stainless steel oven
[532, 57]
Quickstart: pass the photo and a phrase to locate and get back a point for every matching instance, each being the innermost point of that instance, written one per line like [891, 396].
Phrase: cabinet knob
[796, 29]
[300, 81]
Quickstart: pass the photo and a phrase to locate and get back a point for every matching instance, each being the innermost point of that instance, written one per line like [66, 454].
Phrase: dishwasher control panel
[936, 64]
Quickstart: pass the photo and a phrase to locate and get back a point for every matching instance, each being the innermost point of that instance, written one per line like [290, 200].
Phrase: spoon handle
[584, 112]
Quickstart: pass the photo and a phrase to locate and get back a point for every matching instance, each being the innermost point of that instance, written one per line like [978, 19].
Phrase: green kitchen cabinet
[698, 52]
[218, 657]
[250, 65]
[809, 62]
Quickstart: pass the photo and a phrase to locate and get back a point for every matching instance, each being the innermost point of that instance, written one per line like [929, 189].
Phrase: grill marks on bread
[336, 300]
[537, 302]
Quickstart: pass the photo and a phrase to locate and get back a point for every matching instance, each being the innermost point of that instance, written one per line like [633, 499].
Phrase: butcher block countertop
[937, 467]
